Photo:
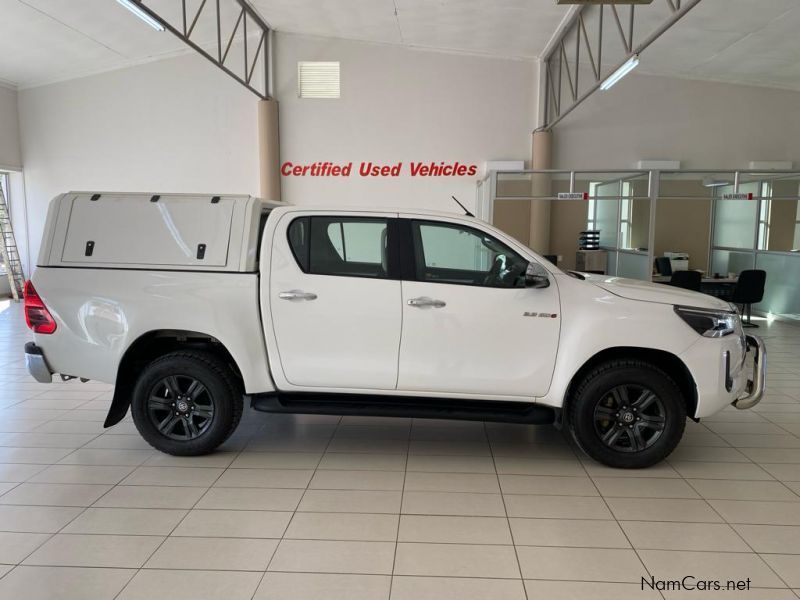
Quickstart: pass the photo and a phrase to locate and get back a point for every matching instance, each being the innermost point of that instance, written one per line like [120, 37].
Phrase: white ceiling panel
[110, 25]
[35, 46]
[743, 41]
[509, 29]
[741, 16]
[367, 20]
[738, 41]
[686, 48]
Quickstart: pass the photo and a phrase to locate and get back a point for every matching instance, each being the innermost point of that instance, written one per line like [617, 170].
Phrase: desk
[666, 279]
[721, 287]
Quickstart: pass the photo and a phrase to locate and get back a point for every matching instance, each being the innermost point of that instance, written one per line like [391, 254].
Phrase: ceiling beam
[557, 57]
[251, 24]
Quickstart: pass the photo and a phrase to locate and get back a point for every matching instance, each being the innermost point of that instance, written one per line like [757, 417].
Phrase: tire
[186, 403]
[627, 414]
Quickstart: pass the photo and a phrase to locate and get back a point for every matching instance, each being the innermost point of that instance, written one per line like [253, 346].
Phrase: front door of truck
[469, 324]
[335, 310]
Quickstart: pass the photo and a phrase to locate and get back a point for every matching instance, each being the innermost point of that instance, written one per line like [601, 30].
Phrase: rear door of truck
[151, 231]
[334, 301]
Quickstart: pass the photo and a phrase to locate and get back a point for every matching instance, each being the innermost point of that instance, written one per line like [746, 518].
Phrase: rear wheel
[627, 414]
[186, 403]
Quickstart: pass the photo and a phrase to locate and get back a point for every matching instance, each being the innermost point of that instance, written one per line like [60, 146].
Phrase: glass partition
[606, 212]
[693, 184]
[635, 265]
[548, 184]
[635, 230]
[610, 183]
[761, 232]
[723, 221]
[730, 262]
[516, 185]
[611, 263]
[779, 225]
[781, 296]
[529, 184]
[620, 210]
[775, 185]
[735, 220]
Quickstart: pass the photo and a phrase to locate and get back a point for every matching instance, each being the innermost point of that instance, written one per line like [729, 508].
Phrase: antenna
[464, 208]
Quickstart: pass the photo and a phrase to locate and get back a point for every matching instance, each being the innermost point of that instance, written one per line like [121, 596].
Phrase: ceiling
[742, 41]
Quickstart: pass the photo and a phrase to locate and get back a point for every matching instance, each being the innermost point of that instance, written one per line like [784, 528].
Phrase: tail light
[37, 316]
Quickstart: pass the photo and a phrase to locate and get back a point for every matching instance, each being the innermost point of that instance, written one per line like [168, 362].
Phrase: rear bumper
[36, 363]
[754, 390]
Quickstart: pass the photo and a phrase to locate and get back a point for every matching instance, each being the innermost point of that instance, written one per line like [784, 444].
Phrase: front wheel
[186, 403]
[627, 414]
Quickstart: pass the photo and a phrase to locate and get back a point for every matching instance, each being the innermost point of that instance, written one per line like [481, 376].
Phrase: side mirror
[535, 277]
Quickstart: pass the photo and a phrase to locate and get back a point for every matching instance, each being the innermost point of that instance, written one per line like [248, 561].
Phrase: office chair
[663, 265]
[688, 280]
[748, 291]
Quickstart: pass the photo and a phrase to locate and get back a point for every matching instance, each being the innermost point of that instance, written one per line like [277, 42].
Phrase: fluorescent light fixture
[144, 16]
[710, 182]
[626, 68]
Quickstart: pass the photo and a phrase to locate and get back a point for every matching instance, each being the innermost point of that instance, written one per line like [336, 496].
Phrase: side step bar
[404, 406]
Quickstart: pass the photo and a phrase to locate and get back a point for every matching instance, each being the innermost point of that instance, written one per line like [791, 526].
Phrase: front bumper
[754, 390]
[36, 363]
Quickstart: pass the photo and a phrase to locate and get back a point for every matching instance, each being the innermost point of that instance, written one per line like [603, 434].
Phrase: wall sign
[373, 169]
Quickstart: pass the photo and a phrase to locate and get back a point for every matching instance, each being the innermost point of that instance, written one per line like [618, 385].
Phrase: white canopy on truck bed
[187, 232]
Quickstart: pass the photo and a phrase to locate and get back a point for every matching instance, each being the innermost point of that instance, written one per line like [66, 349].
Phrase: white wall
[177, 125]
[705, 125]
[180, 125]
[400, 104]
[9, 130]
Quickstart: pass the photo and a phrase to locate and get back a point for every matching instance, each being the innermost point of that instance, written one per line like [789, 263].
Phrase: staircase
[8, 251]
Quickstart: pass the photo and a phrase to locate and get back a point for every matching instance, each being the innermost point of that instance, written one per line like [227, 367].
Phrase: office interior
[719, 223]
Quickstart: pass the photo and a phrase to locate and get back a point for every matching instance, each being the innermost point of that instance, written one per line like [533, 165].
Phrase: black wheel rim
[629, 418]
[180, 407]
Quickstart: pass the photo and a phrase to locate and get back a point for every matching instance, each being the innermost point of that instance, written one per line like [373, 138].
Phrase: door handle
[425, 302]
[297, 295]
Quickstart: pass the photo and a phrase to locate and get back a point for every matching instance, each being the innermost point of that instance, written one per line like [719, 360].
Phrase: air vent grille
[318, 79]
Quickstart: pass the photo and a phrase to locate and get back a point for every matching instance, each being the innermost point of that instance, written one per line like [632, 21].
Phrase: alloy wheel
[629, 418]
[180, 407]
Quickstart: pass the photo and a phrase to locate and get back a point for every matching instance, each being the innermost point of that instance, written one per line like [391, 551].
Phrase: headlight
[709, 323]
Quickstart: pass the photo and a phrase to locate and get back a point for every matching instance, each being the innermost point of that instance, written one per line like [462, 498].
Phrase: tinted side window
[298, 241]
[345, 246]
[449, 253]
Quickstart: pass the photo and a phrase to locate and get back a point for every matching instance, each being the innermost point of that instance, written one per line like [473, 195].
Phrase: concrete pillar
[541, 158]
[269, 150]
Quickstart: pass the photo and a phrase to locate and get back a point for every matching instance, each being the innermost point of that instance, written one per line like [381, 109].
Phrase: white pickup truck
[192, 304]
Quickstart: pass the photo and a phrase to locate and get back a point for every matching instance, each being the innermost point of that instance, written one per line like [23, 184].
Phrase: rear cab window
[341, 246]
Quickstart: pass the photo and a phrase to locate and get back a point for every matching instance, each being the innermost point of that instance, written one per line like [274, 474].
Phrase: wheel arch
[671, 364]
[149, 346]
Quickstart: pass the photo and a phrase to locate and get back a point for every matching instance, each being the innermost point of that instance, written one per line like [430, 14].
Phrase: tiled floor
[311, 507]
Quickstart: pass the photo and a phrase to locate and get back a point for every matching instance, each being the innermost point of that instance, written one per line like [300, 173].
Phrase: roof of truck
[272, 204]
[375, 209]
